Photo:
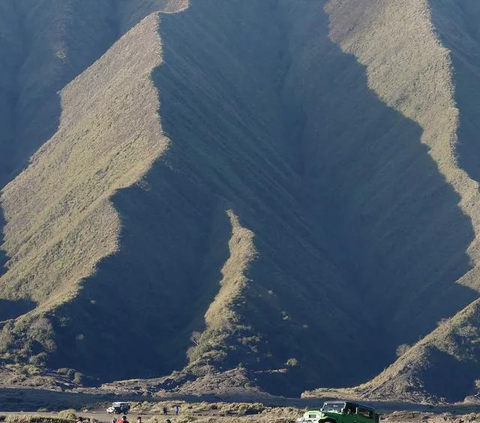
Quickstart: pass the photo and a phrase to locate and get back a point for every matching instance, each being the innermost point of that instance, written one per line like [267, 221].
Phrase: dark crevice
[9, 94]
[292, 111]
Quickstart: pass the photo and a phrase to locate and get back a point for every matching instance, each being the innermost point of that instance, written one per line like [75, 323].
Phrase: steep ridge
[296, 290]
[454, 343]
[457, 27]
[419, 86]
[47, 45]
[44, 46]
[222, 157]
[59, 219]
[355, 148]
[180, 75]
[52, 55]
[443, 364]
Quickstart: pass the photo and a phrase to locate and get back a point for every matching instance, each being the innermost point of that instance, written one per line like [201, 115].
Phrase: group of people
[139, 419]
[176, 408]
[123, 419]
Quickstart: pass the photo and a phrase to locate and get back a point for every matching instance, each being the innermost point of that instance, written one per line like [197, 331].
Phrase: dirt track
[93, 405]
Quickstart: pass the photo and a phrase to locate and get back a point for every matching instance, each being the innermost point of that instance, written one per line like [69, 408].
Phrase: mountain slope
[47, 45]
[443, 364]
[271, 185]
[402, 72]
[236, 175]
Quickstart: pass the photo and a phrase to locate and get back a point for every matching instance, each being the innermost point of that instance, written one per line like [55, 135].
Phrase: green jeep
[341, 412]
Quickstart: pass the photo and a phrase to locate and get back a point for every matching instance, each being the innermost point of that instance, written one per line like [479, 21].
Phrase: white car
[119, 408]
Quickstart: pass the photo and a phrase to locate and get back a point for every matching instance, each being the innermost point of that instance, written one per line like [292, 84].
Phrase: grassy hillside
[176, 234]
[423, 221]
[444, 364]
[222, 158]
[59, 219]
[46, 45]
[273, 185]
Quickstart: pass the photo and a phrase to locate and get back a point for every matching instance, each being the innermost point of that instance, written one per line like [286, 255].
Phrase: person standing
[177, 409]
[165, 411]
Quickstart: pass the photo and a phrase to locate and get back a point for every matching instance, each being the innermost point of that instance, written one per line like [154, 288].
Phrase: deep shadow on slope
[11, 309]
[145, 301]
[218, 108]
[59, 40]
[9, 47]
[396, 222]
[447, 377]
[457, 24]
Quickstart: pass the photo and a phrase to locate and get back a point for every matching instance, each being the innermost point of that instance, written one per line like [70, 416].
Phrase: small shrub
[79, 378]
[441, 322]
[292, 362]
[402, 349]
[68, 414]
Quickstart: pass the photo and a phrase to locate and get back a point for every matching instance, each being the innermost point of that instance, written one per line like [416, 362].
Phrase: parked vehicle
[119, 408]
[341, 412]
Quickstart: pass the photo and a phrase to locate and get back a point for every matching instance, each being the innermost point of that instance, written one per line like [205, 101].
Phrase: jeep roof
[339, 406]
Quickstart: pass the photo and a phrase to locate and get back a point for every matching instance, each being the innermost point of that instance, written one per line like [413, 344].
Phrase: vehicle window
[350, 408]
[312, 416]
[365, 412]
[335, 407]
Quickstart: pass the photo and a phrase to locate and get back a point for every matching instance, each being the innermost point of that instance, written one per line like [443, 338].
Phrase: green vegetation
[69, 414]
